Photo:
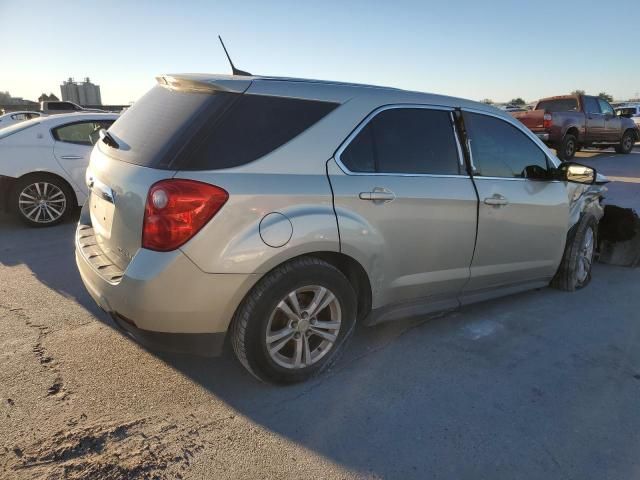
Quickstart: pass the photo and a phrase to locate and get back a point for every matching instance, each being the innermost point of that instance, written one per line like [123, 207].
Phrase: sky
[498, 49]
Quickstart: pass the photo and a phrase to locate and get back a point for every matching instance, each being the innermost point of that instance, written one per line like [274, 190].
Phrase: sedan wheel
[42, 202]
[304, 327]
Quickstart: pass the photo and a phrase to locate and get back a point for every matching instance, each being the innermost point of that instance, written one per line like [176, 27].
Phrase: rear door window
[501, 150]
[81, 133]
[405, 141]
[591, 105]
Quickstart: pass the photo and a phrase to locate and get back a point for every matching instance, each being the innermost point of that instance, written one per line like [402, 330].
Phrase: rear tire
[627, 142]
[279, 336]
[42, 200]
[574, 271]
[568, 148]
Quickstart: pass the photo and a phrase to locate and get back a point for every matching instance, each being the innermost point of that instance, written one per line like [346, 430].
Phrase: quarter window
[405, 141]
[81, 133]
[501, 150]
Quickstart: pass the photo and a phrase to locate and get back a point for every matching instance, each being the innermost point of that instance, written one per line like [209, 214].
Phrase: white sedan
[17, 117]
[43, 163]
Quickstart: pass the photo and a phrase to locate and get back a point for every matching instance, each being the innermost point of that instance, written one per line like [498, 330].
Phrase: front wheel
[574, 271]
[568, 148]
[294, 321]
[627, 142]
[42, 200]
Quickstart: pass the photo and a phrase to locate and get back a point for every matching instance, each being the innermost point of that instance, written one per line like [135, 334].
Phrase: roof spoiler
[206, 84]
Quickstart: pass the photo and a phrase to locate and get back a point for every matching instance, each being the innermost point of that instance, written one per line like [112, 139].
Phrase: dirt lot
[538, 385]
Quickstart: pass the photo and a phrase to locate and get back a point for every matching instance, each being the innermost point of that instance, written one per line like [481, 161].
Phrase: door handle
[377, 195]
[496, 201]
[71, 157]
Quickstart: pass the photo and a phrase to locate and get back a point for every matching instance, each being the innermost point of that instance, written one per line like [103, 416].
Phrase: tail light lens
[176, 210]
[547, 121]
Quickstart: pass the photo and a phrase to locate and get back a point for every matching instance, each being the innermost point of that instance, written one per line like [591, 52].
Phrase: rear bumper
[163, 299]
[543, 136]
[203, 344]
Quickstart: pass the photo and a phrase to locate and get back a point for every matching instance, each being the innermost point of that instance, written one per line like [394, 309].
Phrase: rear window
[61, 106]
[559, 105]
[186, 130]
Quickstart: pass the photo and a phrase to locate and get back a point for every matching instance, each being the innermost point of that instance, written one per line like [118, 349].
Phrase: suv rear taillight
[176, 210]
[547, 120]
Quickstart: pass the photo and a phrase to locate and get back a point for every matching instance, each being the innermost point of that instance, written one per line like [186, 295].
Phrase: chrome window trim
[528, 133]
[515, 179]
[347, 141]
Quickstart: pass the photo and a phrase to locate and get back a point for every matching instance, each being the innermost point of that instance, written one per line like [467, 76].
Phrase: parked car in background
[513, 108]
[282, 211]
[16, 117]
[630, 111]
[52, 107]
[43, 163]
[570, 122]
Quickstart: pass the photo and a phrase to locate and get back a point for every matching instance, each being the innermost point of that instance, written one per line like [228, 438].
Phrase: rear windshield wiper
[108, 139]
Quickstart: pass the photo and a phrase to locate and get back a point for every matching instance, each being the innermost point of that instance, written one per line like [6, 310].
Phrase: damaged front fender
[586, 199]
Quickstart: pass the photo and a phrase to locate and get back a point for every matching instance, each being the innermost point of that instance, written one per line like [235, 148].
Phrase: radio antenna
[234, 70]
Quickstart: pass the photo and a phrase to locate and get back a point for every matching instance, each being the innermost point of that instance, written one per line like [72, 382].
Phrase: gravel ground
[543, 384]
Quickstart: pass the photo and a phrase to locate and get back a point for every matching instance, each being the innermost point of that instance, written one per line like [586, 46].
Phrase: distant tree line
[602, 95]
[519, 101]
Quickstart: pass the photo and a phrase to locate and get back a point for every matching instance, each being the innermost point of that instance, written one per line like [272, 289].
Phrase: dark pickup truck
[570, 122]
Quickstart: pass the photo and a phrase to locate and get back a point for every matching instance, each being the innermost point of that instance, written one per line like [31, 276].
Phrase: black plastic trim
[201, 344]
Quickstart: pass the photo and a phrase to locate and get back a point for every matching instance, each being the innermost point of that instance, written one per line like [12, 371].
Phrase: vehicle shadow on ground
[503, 389]
[49, 254]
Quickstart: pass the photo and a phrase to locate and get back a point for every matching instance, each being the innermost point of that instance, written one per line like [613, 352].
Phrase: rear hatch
[533, 120]
[143, 146]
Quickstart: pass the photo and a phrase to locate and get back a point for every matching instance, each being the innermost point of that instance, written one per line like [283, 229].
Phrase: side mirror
[577, 173]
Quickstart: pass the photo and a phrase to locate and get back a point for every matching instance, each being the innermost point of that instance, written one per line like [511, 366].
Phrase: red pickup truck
[570, 122]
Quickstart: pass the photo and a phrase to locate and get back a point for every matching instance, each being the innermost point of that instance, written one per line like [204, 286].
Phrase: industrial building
[82, 93]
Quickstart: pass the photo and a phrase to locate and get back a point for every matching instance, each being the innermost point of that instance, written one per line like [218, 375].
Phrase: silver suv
[283, 211]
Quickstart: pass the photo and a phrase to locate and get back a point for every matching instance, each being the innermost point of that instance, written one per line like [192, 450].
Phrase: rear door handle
[377, 196]
[496, 201]
[71, 157]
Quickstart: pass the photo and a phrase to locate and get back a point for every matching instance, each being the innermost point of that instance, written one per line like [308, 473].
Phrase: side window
[359, 155]
[591, 105]
[82, 133]
[253, 127]
[405, 140]
[605, 107]
[501, 150]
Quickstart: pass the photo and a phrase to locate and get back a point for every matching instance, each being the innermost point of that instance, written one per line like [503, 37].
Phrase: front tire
[627, 142]
[568, 148]
[574, 271]
[42, 200]
[293, 323]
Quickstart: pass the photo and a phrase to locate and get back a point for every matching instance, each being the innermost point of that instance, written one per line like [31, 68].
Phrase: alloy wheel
[303, 327]
[42, 202]
[585, 256]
